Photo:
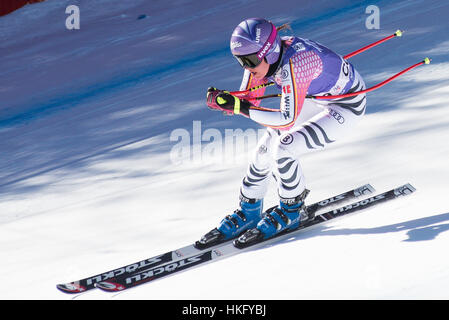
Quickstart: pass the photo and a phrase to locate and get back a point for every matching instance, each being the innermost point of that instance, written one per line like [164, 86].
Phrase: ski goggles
[249, 60]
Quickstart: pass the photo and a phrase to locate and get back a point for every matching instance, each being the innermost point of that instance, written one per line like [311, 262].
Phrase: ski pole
[245, 92]
[398, 33]
[377, 86]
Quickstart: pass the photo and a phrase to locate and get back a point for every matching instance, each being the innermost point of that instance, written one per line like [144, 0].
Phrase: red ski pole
[398, 33]
[243, 93]
[377, 86]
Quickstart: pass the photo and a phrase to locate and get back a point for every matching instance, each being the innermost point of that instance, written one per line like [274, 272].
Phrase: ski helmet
[253, 40]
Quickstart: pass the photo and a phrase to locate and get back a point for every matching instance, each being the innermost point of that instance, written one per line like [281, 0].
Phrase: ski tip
[109, 286]
[71, 287]
[427, 60]
[399, 33]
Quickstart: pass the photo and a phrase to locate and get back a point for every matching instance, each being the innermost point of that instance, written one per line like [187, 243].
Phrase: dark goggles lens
[249, 60]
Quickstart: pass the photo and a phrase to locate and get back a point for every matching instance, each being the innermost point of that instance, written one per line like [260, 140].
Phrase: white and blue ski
[184, 254]
[228, 249]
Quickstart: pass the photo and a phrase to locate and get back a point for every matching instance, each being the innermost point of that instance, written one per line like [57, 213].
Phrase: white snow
[88, 182]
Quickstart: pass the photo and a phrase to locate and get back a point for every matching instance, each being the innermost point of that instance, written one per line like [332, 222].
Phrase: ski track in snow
[87, 183]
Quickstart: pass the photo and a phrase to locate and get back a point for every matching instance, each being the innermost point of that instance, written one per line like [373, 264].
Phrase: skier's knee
[282, 150]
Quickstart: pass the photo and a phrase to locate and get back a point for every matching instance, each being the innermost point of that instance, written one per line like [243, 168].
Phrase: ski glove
[223, 101]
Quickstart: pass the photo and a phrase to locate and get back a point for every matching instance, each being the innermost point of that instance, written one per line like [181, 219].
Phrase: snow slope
[89, 180]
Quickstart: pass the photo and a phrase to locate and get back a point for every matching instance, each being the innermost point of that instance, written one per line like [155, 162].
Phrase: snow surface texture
[88, 181]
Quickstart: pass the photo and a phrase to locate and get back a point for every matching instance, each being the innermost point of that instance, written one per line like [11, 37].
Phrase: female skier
[299, 67]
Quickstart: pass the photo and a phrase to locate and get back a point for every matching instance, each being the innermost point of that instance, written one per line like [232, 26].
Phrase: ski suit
[306, 68]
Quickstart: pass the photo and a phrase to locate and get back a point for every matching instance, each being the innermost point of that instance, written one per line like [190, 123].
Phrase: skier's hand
[223, 101]
[220, 100]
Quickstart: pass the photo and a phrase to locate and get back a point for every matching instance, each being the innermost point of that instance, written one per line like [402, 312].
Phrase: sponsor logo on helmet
[235, 44]
[258, 31]
[264, 51]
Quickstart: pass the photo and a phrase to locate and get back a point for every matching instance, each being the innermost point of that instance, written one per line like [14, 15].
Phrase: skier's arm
[296, 78]
[249, 81]
[223, 101]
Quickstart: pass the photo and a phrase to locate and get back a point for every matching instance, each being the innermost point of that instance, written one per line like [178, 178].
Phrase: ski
[170, 257]
[254, 237]
[229, 249]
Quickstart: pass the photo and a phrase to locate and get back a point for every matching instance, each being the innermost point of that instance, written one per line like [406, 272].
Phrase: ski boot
[289, 215]
[244, 218]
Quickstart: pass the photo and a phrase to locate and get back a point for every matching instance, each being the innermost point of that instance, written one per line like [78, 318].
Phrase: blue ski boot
[244, 218]
[288, 215]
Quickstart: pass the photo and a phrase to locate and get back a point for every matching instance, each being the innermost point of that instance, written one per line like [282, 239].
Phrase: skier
[299, 67]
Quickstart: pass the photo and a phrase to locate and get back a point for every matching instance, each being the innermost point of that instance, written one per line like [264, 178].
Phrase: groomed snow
[89, 180]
